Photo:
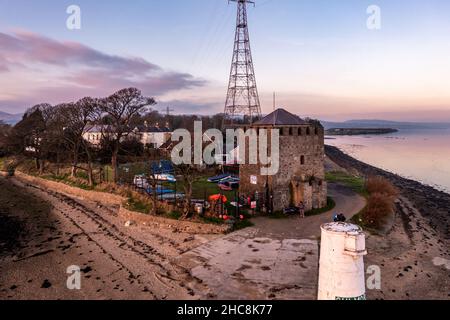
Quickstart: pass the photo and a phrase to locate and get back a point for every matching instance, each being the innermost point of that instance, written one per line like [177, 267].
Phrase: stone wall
[177, 225]
[96, 196]
[302, 157]
[124, 214]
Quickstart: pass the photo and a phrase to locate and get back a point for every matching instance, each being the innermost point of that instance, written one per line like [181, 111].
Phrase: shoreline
[432, 203]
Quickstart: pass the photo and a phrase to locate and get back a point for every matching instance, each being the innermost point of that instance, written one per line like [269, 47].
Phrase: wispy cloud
[69, 70]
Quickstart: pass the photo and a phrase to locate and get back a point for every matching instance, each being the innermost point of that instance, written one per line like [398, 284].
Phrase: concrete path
[275, 259]
[242, 266]
[347, 202]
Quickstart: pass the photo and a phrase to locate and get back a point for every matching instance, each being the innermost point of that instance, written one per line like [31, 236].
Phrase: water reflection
[422, 155]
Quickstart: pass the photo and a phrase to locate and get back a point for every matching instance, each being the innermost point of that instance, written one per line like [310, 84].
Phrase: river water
[422, 155]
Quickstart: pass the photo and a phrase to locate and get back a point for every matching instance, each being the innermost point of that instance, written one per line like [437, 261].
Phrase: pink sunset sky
[332, 69]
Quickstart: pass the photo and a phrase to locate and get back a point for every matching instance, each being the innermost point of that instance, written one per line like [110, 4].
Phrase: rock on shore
[414, 255]
[432, 203]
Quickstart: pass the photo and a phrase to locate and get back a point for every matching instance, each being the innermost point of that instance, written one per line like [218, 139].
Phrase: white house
[149, 136]
[95, 133]
[153, 136]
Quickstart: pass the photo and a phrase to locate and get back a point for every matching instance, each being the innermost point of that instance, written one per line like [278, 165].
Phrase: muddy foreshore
[433, 204]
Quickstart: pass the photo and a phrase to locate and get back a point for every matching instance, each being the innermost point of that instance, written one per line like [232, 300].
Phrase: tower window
[302, 160]
[308, 131]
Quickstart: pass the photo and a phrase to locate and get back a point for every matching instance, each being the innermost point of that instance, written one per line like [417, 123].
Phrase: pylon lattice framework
[242, 98]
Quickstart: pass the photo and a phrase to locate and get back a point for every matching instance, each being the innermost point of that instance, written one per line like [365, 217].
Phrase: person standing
[301, 208]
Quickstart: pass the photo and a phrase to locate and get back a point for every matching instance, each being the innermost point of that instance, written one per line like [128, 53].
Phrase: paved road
[275, 259]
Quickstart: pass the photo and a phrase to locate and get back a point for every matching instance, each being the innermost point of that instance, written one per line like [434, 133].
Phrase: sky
[319, 56]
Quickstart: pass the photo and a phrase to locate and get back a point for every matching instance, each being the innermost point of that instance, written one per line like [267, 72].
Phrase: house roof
[140, 128]
[99, 128]
[152, 129]
[281, 117]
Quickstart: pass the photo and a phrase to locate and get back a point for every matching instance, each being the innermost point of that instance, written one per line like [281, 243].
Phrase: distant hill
[10, 118]
[358, 131]
[385, 124]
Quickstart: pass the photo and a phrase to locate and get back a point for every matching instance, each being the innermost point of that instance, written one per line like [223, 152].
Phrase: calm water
[421, 155]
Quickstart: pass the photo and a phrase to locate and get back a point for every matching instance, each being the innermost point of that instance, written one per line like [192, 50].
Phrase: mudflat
[44, 232]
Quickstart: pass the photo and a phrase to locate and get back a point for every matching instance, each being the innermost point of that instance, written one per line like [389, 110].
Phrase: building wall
[156, 139]
[302, 158]
[94, 138]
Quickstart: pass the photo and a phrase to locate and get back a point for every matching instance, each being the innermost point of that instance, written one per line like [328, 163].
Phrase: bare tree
[120, 109]
[154, 184]
[4, 133]
[53, 145]
[29, 135]
[78, 118]
[188, 175]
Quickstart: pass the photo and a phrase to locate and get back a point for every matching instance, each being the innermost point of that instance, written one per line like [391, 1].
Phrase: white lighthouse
[341, 272]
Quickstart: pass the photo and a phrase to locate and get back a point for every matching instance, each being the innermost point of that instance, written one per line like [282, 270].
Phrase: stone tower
[301, 177]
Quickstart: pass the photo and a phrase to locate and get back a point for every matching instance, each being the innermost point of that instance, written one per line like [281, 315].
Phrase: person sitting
[339, 218]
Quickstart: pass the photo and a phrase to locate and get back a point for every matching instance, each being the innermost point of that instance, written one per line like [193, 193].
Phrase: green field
[202, 187]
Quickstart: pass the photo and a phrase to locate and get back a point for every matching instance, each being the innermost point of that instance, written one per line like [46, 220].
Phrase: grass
[138, 206]
[175, 215]
[356, 183]
[212, 220]
[202, 187]
[66, 179]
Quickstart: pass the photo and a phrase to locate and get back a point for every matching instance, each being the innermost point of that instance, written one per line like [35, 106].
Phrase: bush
[380, 202]
[377, 184]
[379, 207]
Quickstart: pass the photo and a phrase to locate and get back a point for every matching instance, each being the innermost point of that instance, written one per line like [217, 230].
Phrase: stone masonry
[301, 177]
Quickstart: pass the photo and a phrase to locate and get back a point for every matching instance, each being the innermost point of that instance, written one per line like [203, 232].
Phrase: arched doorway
[297, 193]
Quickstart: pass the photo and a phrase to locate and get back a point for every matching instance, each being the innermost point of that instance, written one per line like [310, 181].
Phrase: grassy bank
[379, 193]
[356, 183]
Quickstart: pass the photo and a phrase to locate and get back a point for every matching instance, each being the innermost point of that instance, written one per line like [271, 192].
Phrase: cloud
[26, 47]
[191, 107]
[60, 69]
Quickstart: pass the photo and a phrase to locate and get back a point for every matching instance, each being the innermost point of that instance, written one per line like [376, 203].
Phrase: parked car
[230, 179]
[218, 178]
[165, 177]
[229, 186]
[140, 181]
